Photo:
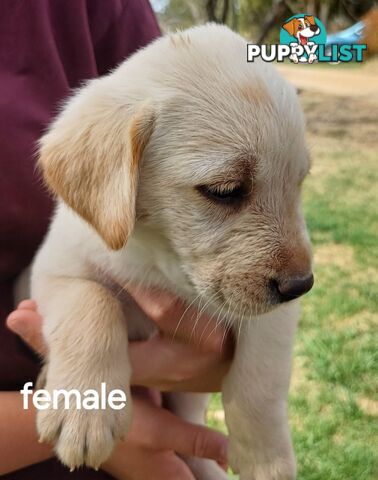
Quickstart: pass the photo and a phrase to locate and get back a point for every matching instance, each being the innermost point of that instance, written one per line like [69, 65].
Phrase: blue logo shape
[302, 29]
[303, 39]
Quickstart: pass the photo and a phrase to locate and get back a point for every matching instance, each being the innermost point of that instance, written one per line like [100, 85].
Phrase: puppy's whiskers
[200, 312]
[228, 320]
[218, 321]
[183, 315]
[241, 320]
[213, 297]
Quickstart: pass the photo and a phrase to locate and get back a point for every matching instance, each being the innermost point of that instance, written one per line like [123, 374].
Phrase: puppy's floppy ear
[290, 26]
[90, 158]
[310, 18]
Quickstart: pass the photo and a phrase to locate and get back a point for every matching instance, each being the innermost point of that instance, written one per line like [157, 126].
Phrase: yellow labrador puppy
[181, 169]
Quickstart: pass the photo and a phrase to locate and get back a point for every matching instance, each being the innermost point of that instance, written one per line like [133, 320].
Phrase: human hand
[144, 439]
[147, 453]
[192, 352]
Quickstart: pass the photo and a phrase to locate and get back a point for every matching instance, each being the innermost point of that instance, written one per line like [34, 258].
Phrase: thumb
[27, 324]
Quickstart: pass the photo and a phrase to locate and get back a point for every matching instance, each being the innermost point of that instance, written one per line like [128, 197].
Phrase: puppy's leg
[87, 341]
[255, 393]
[312, 58]
[192, 408]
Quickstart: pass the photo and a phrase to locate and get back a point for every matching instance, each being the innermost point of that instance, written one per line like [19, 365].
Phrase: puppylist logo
[303, 39]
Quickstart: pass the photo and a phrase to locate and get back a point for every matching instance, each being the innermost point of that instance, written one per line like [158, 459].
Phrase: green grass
[334, 395]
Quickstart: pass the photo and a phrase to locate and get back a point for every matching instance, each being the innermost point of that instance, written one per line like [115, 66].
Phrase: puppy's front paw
[264, 465]
[83, 437]
[312, 58]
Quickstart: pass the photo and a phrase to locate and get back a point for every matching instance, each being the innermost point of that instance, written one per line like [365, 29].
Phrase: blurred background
[258, 19]
[334, 393]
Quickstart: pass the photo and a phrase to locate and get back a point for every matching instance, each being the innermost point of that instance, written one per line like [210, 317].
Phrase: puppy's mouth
[228, 308]
[302, 40]
[267, 295]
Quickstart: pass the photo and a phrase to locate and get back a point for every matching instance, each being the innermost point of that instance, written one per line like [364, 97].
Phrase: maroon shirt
[47, 48]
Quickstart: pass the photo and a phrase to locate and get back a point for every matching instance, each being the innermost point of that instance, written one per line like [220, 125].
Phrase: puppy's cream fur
[126, 156]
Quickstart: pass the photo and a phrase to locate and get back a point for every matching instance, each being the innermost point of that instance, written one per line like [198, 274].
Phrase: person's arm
[146, 453]
[119, 29]
[19, 444]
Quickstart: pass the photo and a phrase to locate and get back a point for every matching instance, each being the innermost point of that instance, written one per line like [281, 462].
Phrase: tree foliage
[259, 19]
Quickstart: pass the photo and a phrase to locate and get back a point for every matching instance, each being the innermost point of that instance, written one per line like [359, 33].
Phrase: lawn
[334, 393]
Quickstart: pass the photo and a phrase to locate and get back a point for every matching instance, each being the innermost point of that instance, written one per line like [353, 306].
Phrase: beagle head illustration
[302, 28]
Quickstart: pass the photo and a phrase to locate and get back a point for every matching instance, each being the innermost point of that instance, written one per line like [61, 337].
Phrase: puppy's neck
[150, 260]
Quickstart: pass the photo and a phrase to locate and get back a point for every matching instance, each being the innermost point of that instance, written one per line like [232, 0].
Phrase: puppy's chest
[142, 263]
[139, 326]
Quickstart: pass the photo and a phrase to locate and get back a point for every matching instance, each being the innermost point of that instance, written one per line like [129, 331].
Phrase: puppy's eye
[223, 194]
[300, 27]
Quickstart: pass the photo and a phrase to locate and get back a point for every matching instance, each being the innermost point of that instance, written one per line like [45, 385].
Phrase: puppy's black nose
[314, 28]
[292, 287]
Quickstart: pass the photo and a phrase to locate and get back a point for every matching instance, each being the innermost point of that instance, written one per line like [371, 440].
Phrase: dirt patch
[338, 439]
[352, 119]
[299, 374]
[369, 274]
[335, 80]
[362, 321]
[336, 255]
[368, 406]
[339, 103]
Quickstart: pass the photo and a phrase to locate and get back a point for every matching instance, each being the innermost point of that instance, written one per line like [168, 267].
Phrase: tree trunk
[211, 7]
[278, 9]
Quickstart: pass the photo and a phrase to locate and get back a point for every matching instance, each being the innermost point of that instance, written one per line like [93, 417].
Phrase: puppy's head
[205, 151]
[302, 28]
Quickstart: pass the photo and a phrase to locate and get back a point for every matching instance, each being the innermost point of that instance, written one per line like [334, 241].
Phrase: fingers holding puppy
[192, 354]
[145, 440]
[184, 322]
[171, 366]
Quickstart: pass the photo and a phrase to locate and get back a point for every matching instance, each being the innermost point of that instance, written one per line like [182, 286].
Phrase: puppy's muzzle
[292, 287]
